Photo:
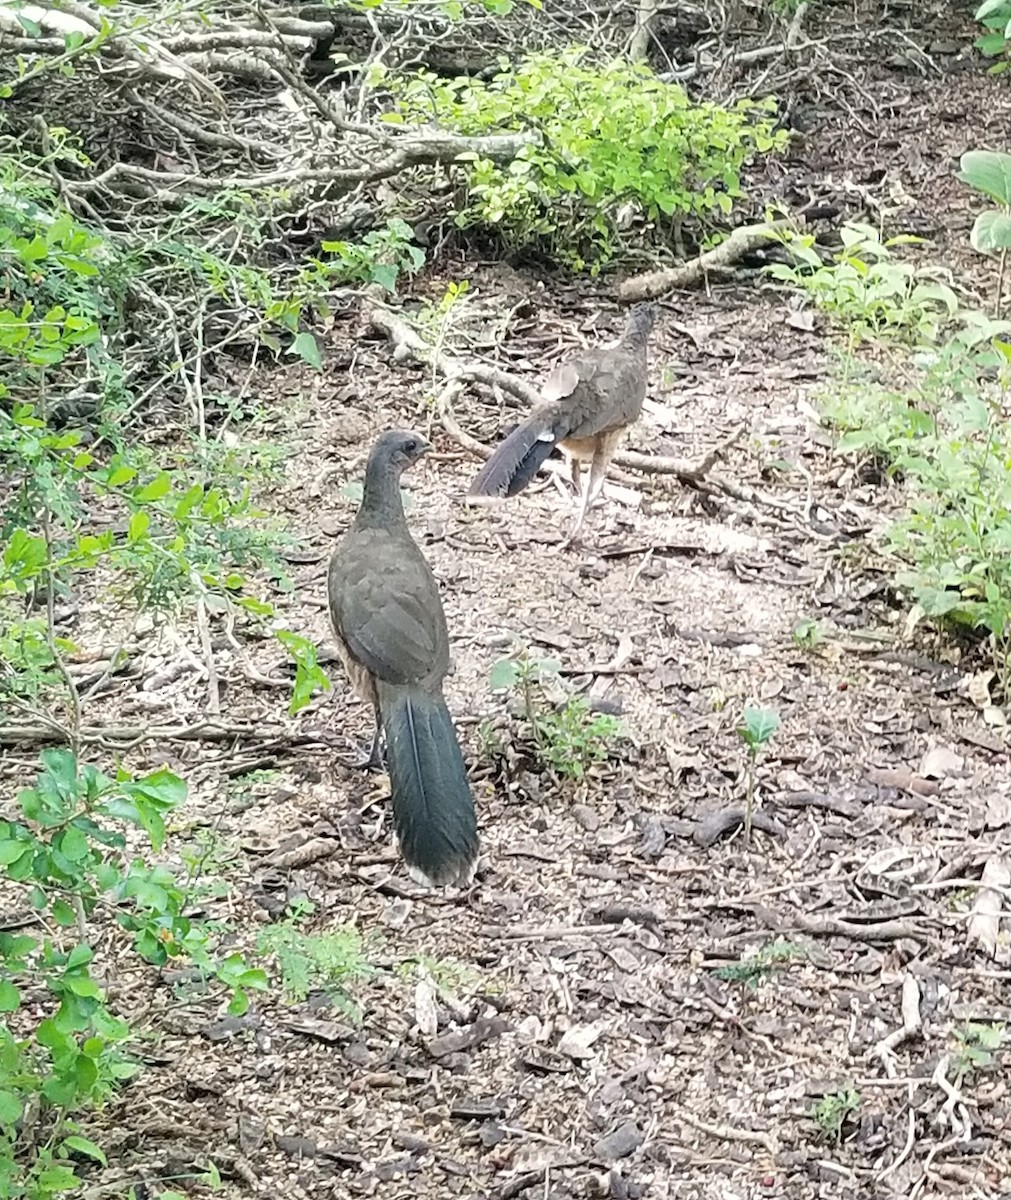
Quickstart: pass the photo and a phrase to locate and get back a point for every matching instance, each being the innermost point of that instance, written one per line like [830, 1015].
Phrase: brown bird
[589, 401]
[392, 638]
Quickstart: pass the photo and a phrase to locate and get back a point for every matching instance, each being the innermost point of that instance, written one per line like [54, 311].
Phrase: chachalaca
[589, 400]
[392, 638]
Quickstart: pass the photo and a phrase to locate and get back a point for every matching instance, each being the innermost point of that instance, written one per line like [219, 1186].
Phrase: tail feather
[516, 460]
[433, 810]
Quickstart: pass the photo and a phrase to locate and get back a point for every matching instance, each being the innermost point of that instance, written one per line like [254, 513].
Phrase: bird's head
[398, 448]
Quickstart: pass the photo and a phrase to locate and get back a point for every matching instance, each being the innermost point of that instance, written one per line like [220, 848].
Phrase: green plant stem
[72, 692]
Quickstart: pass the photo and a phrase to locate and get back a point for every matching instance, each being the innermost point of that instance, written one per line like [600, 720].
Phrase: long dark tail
[516, 461]
[433, 810]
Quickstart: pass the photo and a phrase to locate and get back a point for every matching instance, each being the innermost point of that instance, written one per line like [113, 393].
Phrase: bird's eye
[410, 447]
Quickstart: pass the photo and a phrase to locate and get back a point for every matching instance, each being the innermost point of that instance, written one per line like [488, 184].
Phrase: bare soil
[580, 1041]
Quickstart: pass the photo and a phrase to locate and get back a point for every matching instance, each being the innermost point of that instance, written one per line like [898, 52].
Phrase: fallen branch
[118, 737]
[742, 241]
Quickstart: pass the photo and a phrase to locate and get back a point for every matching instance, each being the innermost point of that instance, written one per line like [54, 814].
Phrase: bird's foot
[370, 759]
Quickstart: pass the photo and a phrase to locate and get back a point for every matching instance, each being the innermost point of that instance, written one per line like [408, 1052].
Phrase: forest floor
[564, 1029]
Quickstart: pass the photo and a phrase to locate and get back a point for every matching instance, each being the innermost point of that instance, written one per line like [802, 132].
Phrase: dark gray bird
[392, 638]
[589, 400]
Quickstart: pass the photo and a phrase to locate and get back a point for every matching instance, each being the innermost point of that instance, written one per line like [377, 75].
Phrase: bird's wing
[385, 606]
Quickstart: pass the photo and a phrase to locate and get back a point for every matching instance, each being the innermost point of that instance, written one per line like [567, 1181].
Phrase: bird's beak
[424, 448]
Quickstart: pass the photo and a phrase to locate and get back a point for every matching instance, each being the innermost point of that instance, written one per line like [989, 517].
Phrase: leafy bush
[946, 438]
[615, 143]
[866, 288]
[944, 434]
[68, 856]
[568, 737]
[995, 17]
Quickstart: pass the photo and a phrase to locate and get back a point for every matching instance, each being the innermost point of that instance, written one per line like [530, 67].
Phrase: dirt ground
[562, 1031]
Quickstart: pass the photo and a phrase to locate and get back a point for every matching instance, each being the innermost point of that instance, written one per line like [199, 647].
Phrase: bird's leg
[594, 484]
[373, 761]
[575, 466]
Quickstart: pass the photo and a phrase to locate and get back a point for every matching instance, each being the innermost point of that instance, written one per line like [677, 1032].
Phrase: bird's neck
[382, 503]
[638, 329]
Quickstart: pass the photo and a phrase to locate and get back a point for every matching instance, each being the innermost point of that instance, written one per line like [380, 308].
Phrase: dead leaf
[940, 762]
[576, 1042]
[804, 321]
[312, 851]
[979, 688]
[994, 716]
[484, 1029]
[984, 924]
[998, 810]
[426, 1010]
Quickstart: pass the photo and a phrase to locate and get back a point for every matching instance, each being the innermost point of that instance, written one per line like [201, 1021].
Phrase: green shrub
[866, 288]
[995, 17]
[68, 855]
[615, 144]
[947, 439]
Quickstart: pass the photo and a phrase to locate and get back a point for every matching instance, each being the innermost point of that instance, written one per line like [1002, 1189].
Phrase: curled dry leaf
[984, 924]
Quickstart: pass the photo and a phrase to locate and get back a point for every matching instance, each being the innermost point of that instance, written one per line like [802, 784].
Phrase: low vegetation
[942, 437]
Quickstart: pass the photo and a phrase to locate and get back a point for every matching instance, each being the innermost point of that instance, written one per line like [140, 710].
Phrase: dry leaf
[576, 1042]
[998, 810]
[913, 618]
[979, 688]
[426, 1011]
[994, 716]
[984, 924]
[803, 321]
[941, 762]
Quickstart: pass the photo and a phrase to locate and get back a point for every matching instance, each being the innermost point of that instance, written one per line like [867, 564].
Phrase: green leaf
[62, 913]
[759, 726]
[157, 489]
[989, 171]
[140, 522]
[80, 956]
[503, 675]
[11, 851]
[162, 786]
[32, 28]
[120, 476]
[74, 845]
[991, 233]
[10, 1108]
[57, 1179]
[10, 997]
[386, 276]
[83, 1145]
[306, 348]
[238, 1006]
